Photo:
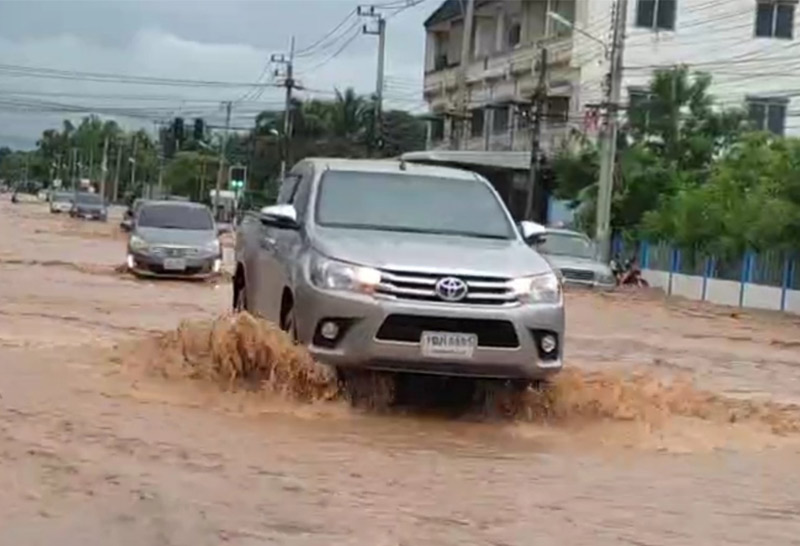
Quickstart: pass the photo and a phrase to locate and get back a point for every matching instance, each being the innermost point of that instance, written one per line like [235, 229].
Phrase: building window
[768, 114]
[437, 129]
[476, 123]
[501, 118]
[775, 19]
[656, 14]
[639, 107]
[514, 34]
[557, 109]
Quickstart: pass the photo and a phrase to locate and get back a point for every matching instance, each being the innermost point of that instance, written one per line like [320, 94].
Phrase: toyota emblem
[451, 289]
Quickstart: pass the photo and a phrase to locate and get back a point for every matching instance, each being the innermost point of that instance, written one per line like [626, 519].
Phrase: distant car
[574, 255]
[90, 206]
[173, 238]
[61, 201]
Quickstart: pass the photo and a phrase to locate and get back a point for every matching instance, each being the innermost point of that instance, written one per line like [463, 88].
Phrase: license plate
[448, 344]
[174, 264]
[87, 215]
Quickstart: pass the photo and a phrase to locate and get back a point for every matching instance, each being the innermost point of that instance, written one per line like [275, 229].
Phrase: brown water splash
[240, 352]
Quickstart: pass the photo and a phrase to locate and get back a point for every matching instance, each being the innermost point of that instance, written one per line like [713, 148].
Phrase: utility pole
[72, 166]
[104, 168]
[377, 122]
[608, 144]
[133, 162]
[535, 176]
[289, 84]
[223, 145]
[115, 194]
[462, 104]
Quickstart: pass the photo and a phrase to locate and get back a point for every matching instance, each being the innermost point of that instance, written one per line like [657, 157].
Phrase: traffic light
[199, 132]
[237, 175]
[178, 131]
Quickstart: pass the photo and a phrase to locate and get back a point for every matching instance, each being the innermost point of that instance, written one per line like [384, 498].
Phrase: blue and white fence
[768, 280]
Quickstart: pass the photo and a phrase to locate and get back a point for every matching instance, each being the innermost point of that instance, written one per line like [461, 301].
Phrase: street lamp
[558, 18]
[277, 134]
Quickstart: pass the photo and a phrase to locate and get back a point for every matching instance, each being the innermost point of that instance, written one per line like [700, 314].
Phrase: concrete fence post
[747, 274]
[708, 272]
[674, 264]
[786, 282]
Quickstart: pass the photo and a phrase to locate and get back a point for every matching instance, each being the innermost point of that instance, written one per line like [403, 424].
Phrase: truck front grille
[409, 328]
[420, 286]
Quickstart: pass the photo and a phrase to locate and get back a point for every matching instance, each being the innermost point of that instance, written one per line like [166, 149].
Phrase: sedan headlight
[137, 244]
[544, 288]
[334, 275]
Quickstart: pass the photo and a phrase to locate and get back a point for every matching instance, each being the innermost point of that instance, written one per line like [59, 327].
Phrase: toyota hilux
[395, 266]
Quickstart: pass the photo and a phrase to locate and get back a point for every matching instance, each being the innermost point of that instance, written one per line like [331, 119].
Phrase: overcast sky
[212, 40]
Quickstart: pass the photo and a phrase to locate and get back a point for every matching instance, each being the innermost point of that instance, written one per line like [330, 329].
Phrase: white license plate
[448, 344]
[174, 264]
[87, 215]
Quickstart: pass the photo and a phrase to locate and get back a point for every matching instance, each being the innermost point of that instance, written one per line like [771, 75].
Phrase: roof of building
[389, 166]
[450, 9]
[515, 161]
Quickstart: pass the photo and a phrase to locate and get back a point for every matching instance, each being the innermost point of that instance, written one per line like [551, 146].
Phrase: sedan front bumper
[198, 266]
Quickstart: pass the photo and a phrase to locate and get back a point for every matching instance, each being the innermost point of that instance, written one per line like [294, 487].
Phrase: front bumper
[507, 336]
[200, 266]
[90, 215]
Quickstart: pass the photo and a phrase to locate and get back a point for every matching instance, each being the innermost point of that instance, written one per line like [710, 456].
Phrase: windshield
[84, 198]
[567, 244]
[175, 217]
[62, 197]
[401, 202]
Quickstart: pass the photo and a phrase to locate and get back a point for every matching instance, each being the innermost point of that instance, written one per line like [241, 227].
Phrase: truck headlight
[137, 244]
[212, 246]
[334, 275]
[544, 288]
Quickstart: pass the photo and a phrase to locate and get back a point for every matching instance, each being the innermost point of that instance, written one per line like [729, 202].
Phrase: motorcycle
[628, 273]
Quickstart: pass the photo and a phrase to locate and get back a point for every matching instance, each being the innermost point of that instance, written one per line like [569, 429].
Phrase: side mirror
[279, 216]
[531, 231]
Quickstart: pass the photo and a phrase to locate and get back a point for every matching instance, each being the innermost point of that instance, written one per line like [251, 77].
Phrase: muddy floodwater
[129, 416]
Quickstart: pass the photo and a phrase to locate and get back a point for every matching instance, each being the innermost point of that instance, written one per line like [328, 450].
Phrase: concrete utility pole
[377, 122]
[133, 162]
[462, 105]
[289, 84]
[223, 145]
[104, 168]
[115, 194]
[72, 166]
[608, 143]
[535, 176]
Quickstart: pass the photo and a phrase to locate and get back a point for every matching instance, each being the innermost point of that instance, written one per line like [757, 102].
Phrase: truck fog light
[548, 344]
[131, 262]
[329, 330]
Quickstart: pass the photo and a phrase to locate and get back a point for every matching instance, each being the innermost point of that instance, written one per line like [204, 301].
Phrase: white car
[61, 201]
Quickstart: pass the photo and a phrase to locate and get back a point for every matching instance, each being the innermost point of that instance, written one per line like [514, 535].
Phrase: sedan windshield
[175, 217]
[62, 197]
[567, 244]
[85, 198]
[408, 203]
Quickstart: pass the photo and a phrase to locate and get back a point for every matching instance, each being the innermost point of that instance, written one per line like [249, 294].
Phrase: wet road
[94, 451]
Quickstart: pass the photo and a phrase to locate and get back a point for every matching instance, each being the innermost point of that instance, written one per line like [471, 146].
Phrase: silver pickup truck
[396, 266]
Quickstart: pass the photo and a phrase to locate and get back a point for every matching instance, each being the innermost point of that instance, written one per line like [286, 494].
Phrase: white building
[748, 46]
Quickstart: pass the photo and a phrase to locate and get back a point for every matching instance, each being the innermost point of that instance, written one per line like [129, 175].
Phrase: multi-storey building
[748, 46]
